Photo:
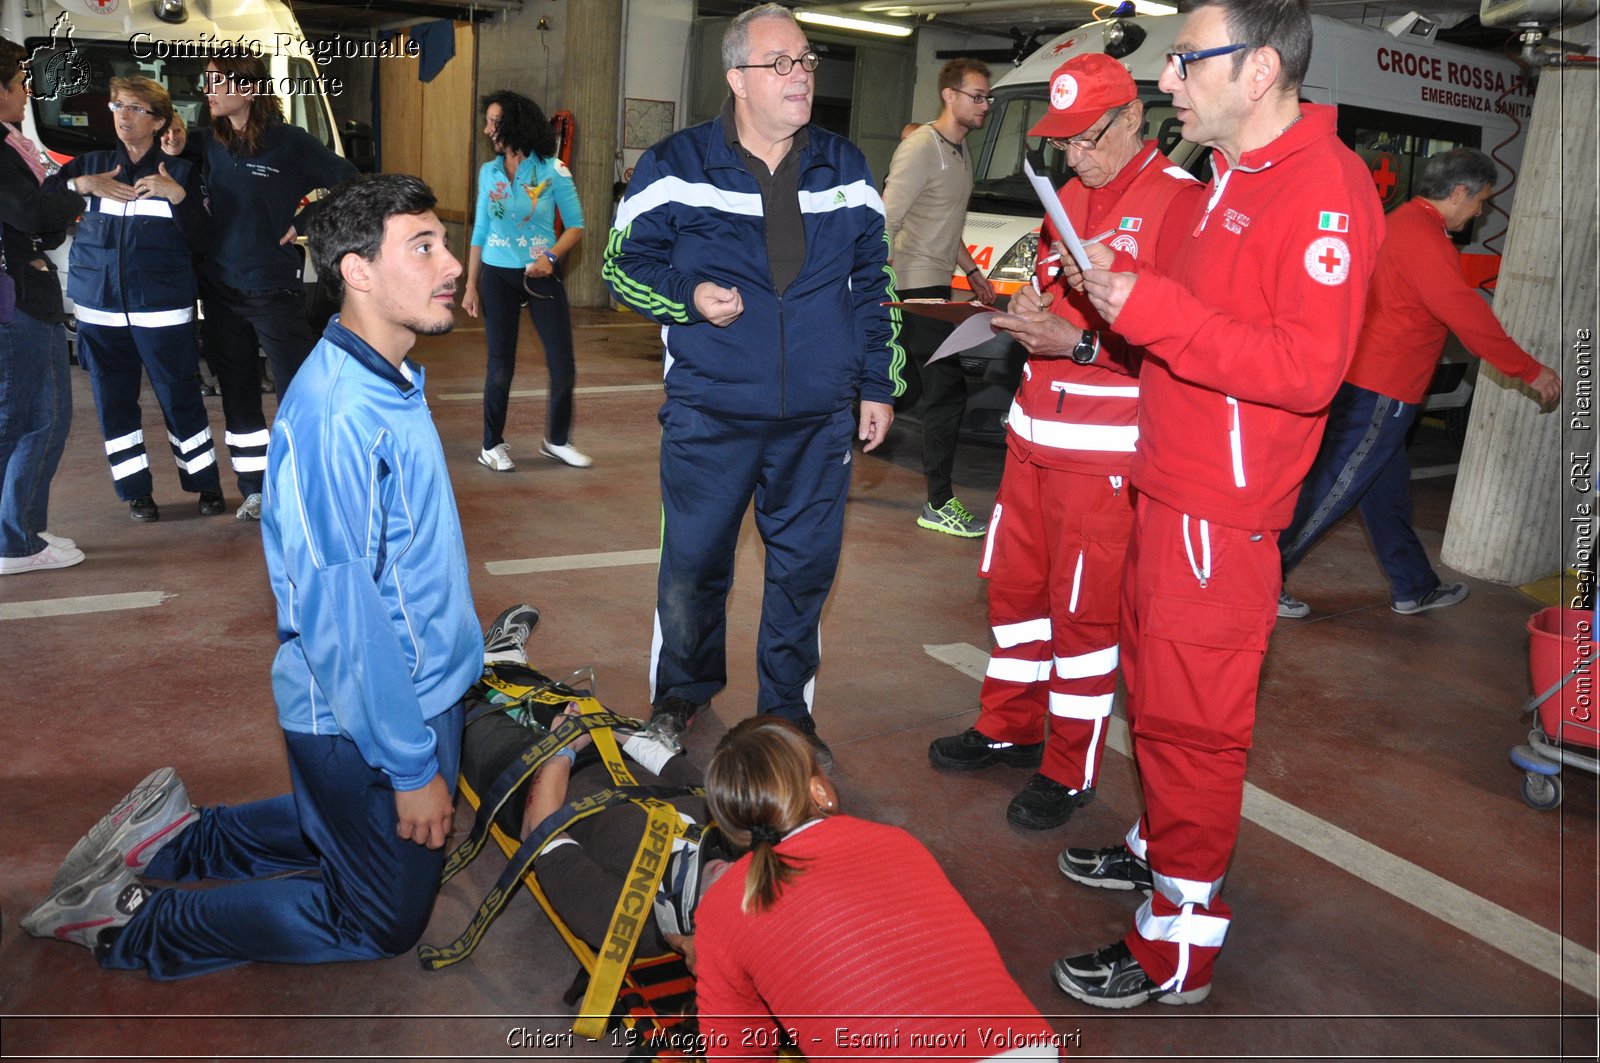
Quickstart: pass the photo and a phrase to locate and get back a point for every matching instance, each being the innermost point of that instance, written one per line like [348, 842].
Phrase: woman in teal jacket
[515, 258]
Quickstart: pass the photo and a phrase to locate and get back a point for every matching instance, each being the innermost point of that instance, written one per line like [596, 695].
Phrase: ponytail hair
[759, 789]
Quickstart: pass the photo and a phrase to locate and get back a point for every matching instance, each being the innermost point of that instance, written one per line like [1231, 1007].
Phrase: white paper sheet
[974, 330]
[1058, 217]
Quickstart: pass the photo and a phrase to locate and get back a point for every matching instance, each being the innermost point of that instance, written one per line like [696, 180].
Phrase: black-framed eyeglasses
[116, 106]
[1083, 143]
[1181, 60]
[783, 64]
[976, 97]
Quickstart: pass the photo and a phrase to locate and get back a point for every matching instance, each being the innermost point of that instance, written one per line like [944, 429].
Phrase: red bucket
[1560, 640]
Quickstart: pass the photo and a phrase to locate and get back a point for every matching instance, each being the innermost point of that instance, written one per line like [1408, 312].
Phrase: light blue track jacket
[376, 625]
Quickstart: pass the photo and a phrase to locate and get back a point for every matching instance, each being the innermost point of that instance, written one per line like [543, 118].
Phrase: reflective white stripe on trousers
[1009, 635]
[138, 319]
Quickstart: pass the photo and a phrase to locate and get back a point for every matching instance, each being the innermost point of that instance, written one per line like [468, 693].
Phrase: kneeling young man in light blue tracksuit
[378, 643]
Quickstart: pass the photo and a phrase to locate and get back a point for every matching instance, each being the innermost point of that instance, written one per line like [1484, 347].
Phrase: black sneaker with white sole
[1445, 594]
[1112, 978]
[506, 637]
[972, 749]
[1114, 868]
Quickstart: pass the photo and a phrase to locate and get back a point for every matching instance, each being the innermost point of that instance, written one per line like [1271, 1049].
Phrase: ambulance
[77, 46]
[1401, 94]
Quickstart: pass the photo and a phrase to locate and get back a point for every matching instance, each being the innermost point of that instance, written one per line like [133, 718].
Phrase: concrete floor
[1393, 896]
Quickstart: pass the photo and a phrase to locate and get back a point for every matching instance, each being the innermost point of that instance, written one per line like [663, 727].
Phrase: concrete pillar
[1525, 483]
[591, 84]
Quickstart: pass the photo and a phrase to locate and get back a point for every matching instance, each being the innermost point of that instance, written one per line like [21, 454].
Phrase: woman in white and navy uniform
[132, 278]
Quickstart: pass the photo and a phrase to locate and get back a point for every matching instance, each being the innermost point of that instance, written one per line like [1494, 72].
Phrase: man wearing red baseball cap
[1054, 555]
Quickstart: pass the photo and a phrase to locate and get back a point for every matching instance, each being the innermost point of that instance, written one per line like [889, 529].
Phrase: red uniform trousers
[1198, 607]
[1054, 564]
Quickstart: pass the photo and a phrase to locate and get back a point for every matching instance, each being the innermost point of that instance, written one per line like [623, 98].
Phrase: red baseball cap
[1081, 90]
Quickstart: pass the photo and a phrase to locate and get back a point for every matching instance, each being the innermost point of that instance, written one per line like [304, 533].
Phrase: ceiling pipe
[1535, 12]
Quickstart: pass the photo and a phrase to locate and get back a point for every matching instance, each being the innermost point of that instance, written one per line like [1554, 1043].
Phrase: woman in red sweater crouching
[844, 931]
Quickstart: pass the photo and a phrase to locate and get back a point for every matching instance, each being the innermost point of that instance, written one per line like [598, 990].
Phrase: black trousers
[942, 389]
[502, 294]
[238, 324]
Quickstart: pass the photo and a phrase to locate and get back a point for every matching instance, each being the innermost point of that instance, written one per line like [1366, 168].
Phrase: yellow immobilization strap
[596, 721]
[634, 907]
[434, 958]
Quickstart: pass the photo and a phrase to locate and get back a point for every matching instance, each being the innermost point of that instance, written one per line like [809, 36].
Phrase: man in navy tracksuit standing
[757, 239]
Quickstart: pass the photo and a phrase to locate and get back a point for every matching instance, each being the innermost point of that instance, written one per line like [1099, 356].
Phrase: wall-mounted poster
[645, 122]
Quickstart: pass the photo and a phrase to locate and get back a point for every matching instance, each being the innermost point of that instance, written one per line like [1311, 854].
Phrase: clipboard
[969, 316]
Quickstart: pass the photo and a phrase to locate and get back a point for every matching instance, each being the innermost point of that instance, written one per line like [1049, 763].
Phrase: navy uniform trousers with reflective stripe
[168, 352]
[798, 473]
[327, 878]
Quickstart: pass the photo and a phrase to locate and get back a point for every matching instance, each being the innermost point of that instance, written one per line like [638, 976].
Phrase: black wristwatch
[1087, 347]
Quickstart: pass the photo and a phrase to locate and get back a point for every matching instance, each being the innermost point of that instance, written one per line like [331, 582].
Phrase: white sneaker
[497, 458]
[56, 540]
[251, 510]
[566, 454]
[50, 557]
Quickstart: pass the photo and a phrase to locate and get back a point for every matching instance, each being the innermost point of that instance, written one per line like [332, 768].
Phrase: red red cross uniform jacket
[1248, 321]
[1054, 554]
[1417, 297]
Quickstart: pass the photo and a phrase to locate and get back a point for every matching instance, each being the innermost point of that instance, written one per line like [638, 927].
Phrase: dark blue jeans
[35, 414]
[351, 889]
[797, 472]
[502, 293]
[1363, 463]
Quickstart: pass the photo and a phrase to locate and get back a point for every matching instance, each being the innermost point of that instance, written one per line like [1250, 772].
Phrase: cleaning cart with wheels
[1561, 659]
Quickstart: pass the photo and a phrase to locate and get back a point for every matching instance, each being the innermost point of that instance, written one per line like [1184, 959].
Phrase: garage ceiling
[1017, 19]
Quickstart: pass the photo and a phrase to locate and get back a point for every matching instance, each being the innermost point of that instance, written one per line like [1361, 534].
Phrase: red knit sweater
[869, 951]
[1417, 296]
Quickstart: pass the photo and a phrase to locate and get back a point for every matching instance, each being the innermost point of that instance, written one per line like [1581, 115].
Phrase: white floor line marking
[539, 393]
[1499, 927]
[614, 559]
[92, 603]
[1429, 472]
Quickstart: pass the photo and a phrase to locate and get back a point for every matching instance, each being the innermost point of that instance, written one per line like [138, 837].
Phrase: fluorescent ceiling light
[859, 25]
[1150, 7]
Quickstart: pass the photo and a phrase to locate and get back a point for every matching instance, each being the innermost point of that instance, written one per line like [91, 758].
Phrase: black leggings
[500, 294]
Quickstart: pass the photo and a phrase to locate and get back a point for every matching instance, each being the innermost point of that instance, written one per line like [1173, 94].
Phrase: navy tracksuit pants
[170, 356]
[797, 471]
[346, 886]
[1363, 462]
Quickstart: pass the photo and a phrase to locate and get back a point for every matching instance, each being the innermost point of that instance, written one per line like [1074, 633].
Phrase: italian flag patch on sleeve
[1333, 222]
